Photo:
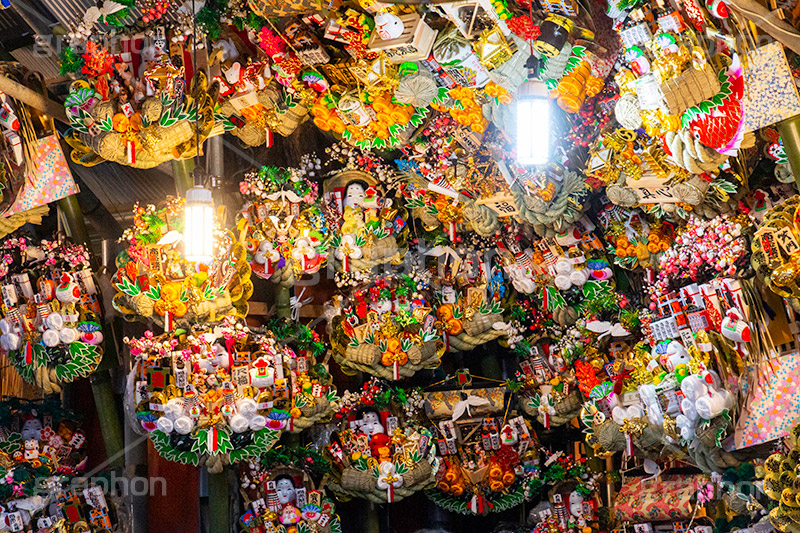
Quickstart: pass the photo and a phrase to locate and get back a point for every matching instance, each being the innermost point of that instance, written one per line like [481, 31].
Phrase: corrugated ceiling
[45, 64]
[119, 187]
[68, 12]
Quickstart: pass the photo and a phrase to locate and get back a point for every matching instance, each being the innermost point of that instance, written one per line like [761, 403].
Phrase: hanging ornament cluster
[154, 280]
[51, 326]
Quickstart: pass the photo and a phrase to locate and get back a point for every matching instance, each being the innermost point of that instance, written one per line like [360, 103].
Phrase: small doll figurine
[371, 424]
[31, 428]
[355, 193]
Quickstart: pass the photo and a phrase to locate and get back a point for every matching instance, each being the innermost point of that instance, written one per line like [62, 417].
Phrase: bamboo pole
[102, 390]
[33, 99]
[182, 174]
[220, 486]
[283, 302]
[76, 225]
[790, 134]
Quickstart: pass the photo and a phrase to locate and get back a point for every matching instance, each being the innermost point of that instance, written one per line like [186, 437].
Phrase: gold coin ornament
[775, 249]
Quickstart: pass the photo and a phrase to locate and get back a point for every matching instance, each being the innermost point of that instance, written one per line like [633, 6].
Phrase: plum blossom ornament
[348, 249]
[389, 479]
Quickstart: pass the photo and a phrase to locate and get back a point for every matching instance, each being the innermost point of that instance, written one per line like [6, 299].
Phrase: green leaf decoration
[164, 448]
[84, 359]
[554, 299]
[154, 293]
[360, 464]
[441, 96]
[208, 293]
[724, 185]
[128, 287]
[417, 119]
[414, 203]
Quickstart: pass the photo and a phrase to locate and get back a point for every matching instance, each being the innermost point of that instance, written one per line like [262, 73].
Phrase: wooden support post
[33, 99]
[767, 22]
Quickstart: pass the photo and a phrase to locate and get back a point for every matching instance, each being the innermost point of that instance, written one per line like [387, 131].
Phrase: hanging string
[448, 378]
[196, 88]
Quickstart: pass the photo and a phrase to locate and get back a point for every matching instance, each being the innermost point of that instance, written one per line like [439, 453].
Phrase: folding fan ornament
[214, 395]
[287, 230]
[481, 451]
[42, 451]
[282, 488]
[387, 328]
[51, 315]
[379, 453]
[154, 281]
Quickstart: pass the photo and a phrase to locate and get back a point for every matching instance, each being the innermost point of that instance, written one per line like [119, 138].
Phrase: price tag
[787, 241]
[503, 205]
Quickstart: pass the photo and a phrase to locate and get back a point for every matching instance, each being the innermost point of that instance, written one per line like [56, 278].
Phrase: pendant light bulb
[534, 117]
[198, 229]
